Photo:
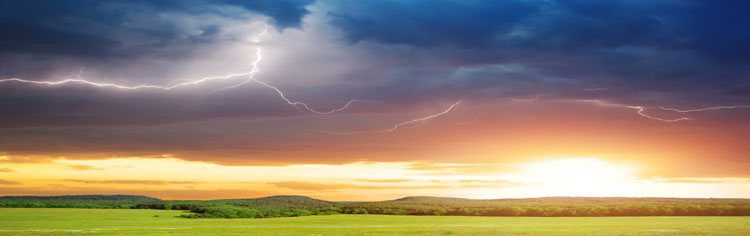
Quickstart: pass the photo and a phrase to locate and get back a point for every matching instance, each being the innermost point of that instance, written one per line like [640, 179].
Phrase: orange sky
[172, 178]
[496, 155]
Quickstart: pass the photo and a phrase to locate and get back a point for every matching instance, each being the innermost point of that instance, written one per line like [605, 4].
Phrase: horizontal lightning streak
[302, 105]
[596, 89]
[704, 109]
[395, 127]
[255, 68]
[532, 99]
[79, 80]
[640, 110]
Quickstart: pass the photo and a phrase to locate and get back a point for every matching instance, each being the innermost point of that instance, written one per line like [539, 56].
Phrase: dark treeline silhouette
[82, 197]
[288, 206]
[76, 201]
[554, 206]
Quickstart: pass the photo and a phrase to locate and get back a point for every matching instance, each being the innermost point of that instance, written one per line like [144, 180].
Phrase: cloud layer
[526, 71]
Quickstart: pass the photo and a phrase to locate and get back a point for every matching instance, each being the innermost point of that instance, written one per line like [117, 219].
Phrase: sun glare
[577, 176]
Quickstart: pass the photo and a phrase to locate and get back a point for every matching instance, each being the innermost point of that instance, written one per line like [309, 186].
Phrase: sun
[578, 176]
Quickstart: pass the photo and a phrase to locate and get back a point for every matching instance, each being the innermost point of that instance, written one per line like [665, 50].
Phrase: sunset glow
[585, 176]
[343, 100]
[173, 178]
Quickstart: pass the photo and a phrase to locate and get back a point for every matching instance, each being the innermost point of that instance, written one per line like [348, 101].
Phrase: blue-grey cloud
[412, 57]
[706, 26]
[674, 48]
[431, 23]
[109, 28]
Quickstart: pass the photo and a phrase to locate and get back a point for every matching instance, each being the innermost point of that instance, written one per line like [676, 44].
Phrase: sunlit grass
[160, 222]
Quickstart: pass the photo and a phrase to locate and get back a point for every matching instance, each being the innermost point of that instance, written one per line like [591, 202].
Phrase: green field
[26, 221]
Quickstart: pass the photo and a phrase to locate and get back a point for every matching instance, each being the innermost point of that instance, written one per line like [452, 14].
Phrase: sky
[375, 100]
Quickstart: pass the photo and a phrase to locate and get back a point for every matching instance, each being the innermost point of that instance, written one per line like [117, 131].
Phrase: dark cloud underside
[411, 57]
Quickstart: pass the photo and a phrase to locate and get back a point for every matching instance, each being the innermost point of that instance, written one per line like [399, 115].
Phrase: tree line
[291, 206]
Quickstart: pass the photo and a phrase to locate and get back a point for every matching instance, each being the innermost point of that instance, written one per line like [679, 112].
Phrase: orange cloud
[159, 193]
[7, 182]
[141, 182]
[316, 186]
[84, 167]
[384, 180]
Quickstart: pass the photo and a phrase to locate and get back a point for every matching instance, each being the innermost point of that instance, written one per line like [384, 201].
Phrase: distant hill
[286, 201]
[292, 198]
[84, 197]
[416, 199]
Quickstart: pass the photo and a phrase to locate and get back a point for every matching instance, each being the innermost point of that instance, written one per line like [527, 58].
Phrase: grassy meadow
[45, 221]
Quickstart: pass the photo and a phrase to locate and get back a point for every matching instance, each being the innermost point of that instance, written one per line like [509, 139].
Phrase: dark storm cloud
[684, 50]
[707, 26]
[90, 28]
[431, 23]
[442, 50]
[70, 106]
[416, 56]
[285, 13]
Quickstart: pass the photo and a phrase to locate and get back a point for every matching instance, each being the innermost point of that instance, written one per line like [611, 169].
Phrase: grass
[30, 221]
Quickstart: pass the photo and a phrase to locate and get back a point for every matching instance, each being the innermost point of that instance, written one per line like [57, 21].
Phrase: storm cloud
[409, 59]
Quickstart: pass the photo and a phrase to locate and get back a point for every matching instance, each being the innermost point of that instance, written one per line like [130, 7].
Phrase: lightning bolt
[395, 127]
[640, 110]
[296, 104]
[250, 77]
[596, 89]
[532, 99]
[255, 68]
[704, 109]
[80, 80]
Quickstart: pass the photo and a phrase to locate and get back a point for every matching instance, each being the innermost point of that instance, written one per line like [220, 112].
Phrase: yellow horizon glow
[173, 178]
[584, 176]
